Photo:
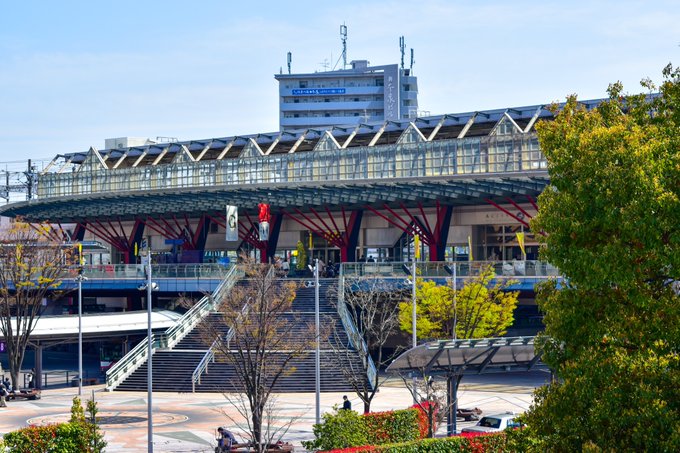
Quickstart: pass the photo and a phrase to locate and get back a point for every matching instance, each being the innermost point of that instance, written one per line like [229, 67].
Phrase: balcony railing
[158, 271]
[515, 269]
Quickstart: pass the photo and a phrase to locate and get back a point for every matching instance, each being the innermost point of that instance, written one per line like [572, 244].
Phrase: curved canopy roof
[465, 190]
[456, 357]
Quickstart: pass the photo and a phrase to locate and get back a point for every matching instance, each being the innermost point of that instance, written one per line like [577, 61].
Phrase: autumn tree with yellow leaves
[483, 308]
[31, 266]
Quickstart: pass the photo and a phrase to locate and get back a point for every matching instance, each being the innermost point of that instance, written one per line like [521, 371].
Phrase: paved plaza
[186, 422]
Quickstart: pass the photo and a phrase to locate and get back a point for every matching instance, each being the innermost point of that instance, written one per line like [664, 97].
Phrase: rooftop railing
[473, 155]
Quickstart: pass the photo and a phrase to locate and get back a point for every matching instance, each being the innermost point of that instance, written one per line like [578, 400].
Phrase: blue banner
[304, 91]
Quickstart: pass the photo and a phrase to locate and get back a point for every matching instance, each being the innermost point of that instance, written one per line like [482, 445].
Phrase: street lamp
[149, 286]
[452, 381]
[414, 288]
[317, 364]
[452, 271]
[80, 278]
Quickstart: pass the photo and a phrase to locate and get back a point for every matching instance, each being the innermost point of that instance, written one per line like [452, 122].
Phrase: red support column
[348, 252]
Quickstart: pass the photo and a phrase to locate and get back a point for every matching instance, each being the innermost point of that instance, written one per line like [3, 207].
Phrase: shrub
[469, 443]
[393, 426]
[428, 418]
[339, 429]
[78, 435]
[343, 429]
[31, 438]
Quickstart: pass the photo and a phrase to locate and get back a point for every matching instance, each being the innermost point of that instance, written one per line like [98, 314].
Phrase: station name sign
[304, 91]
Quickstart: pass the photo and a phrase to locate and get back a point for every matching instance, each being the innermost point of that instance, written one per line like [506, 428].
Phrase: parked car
[493, 423]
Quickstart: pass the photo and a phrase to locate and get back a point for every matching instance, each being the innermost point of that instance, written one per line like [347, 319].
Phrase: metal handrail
[202, 366]
[210, 355]
[133, 360]
[515, 269]
[355, 339]
[126, 366]
[159, 271]
[175, 334]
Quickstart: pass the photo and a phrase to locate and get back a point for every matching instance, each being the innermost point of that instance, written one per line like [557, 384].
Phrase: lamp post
[149, 287]
[80, 278]
[317, 358]
[149, 352]
[413, 320]
[452, 381]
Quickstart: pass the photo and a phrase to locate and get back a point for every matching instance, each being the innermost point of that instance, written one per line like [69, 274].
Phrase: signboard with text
[307, 91]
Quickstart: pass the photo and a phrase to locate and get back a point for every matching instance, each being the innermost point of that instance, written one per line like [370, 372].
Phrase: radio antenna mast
[343, 37]
[289, 60]
[402, 45]
[413, 60]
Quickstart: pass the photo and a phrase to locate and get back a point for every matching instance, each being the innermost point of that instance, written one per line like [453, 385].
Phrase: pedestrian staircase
[174, 369]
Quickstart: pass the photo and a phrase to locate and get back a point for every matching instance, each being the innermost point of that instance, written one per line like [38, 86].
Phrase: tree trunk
[15, 360]
[257, 429]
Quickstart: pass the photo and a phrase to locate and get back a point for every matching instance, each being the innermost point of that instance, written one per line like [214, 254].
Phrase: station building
[465, 184]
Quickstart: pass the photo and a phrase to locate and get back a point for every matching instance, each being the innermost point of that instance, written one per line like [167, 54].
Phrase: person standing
[3, 395]
[346, 403]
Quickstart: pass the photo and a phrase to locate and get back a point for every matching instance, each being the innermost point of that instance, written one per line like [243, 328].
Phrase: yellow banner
[81, 260]
[470, 258]
[136, 250]
[311, 243]
[416, 246]
[520, 241]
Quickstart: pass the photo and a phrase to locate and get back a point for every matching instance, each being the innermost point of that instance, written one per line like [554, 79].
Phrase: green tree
[483, 308]
[301, 263]
[611, 215]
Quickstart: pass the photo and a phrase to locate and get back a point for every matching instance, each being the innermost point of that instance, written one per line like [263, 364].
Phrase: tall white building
[361, 94]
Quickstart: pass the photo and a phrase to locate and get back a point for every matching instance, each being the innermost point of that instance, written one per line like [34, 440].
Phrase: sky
[73, 73]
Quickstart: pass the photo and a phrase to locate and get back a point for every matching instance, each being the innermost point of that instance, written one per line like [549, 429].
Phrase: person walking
[3, 395]
[346, 403]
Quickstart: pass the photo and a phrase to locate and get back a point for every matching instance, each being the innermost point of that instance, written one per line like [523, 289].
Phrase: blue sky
[73, 73]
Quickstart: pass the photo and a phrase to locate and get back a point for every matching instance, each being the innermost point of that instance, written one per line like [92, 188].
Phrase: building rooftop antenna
[413, 60]
[289, 60]
[402, 45]
[343, 37]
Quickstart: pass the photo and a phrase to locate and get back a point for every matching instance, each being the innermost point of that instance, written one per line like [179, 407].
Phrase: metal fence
[475, 155]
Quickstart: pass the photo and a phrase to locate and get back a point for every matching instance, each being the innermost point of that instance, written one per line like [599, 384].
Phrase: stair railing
[202, 367]
[125, 367]
[355, 339]
[138, 355]
[209, 356]
[192, 317]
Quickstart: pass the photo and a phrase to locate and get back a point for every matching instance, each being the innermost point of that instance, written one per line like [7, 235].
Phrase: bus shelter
[454, 359]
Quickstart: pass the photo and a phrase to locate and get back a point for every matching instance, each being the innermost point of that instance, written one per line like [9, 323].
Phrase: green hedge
[392, 426]
[343, 428]
[485, 443]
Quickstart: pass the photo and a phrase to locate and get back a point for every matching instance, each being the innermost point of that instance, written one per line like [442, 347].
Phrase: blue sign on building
[304, 91]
